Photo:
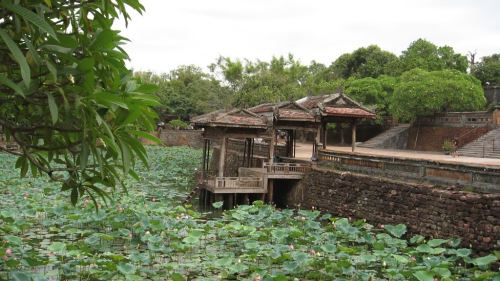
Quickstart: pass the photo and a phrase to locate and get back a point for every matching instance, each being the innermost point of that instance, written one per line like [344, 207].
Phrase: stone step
[379, 140]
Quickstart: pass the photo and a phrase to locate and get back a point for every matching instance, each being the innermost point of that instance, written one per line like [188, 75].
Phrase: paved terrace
[303, 152]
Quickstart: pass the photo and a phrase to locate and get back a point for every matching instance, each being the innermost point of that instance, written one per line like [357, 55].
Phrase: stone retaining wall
[425, 210]
[191, 138]
[458, 175]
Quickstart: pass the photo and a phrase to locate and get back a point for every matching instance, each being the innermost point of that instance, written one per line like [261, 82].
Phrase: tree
[256, 82]
[364, 62]
[488, 70]
[372, 92]
[66, 96]
[187, 91]
[424, 93]
[427, 56]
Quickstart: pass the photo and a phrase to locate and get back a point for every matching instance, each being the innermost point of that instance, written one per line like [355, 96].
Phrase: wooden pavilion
[336, 108]
[265, 122]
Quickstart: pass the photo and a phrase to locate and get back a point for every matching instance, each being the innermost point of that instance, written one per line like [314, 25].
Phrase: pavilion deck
[255, 180]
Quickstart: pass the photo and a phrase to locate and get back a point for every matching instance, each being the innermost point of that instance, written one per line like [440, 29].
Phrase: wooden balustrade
[286, 168]
[236, 185]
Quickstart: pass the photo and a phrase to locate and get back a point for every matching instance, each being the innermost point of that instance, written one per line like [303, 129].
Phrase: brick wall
[431, 138]
[425, 210]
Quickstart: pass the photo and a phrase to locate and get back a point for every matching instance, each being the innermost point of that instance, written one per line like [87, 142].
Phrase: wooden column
[294, 142]
[324, 134]
[317, 140]
[353, 144]
[222, 156]
[270, 191]
[341, 130]
[271, 146]
[204, 168]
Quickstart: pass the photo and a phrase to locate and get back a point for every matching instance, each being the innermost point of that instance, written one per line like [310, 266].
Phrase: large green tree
[488, 70]
[427, 56]
[255, 82]
[187, 91]
[424, 93]
[364, 62]
[66, 96]
[375, 92]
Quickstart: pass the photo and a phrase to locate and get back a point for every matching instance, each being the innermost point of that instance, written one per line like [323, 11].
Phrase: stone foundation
[425, 210]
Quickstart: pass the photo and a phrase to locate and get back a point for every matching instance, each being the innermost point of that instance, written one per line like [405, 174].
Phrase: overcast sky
[183, 32]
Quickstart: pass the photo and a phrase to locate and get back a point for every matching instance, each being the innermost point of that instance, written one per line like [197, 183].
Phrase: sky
[174, 33]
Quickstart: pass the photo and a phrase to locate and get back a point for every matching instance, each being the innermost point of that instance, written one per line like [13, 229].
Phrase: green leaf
[329, 248]
[442, 272]
[31, 17]
[57, 247]
[463, 252]
[9, 83]
[251, 245]
[484, 261]
[74, 195]
[54, 111]
[126, 156]
[177, 277]
[20, 276]
[396, 230]
[18, 56]
[13, 239]
[436, 242]
[126, 268]
[86, 64]
[218, 205]
[424, 276]
[84, 156]
[400, 259]
[103, 40]
[191, 240]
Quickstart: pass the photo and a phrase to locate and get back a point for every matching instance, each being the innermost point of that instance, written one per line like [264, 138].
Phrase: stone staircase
[487, 146]
[396, 138]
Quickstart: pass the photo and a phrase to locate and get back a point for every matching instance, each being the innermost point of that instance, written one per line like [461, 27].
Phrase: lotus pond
[147, 235]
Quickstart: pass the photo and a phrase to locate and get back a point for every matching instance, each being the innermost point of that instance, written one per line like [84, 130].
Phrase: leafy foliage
[187, 91]
[423, 93]
[488, 70]
[364, 62]
[427, 56]
[178, 124]
[144, 235]
[66, 96]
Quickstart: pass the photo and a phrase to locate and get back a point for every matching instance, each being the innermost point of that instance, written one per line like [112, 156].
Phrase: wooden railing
[242, 183]
[286, 168]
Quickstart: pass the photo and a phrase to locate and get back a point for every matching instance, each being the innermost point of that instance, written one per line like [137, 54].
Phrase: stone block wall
[191, 138]
[425, 210]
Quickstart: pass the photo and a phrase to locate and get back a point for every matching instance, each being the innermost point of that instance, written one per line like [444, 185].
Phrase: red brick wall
[431, 138]
[425, 210]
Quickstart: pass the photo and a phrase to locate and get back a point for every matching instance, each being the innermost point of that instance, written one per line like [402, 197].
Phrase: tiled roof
[261, 108]
[233, 118]
[313, 101]
[294, 114]
[347, 112]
